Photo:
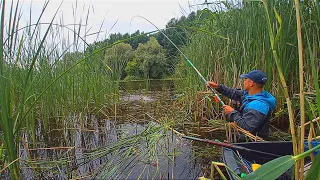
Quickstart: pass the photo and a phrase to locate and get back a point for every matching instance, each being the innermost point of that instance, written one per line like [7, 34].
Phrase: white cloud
[158, 12]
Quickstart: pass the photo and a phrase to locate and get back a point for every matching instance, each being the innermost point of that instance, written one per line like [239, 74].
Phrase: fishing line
[188, 61]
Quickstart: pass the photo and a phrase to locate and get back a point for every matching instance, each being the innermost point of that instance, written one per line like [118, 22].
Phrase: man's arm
[250, 120]
[231, 93]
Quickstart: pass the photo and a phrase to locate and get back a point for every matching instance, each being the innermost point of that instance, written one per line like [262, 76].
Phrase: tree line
[145, 56]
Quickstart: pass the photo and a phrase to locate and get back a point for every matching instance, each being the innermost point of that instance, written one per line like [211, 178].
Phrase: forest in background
[146, 56]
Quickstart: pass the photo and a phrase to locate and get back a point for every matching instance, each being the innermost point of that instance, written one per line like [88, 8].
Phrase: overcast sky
[108, 12]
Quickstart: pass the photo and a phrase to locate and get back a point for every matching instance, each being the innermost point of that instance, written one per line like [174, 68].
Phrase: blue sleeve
[231, 93]
[251, 120]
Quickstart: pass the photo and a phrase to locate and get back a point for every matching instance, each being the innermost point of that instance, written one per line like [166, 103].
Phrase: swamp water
[176, 158]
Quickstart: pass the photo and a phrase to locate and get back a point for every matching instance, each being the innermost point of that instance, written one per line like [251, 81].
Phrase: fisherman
[256, 104]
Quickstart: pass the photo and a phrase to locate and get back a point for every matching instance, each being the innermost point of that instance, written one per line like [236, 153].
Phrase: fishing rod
[230, 146]
[188, 61]
[213, 142]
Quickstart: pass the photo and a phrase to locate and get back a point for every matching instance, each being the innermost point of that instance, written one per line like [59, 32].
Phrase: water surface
[83, 133]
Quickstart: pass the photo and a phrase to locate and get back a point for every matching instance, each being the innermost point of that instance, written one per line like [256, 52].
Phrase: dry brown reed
[232, 129]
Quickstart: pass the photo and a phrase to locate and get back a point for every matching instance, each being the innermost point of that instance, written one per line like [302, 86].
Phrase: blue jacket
[254, 112]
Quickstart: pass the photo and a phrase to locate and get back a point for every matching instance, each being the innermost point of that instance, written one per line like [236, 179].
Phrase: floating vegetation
[151, 151]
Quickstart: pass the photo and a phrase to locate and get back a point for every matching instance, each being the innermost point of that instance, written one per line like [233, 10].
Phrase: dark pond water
[177, 158]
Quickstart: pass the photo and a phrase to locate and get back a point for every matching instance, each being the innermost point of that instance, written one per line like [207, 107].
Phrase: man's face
[247, 84]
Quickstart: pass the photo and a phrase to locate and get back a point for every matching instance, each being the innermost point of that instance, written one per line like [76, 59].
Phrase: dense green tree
[140, 39]
[180, 36]
[117, 58]
[113, 38]
[132, 69]
[151, 60]
[174, 31]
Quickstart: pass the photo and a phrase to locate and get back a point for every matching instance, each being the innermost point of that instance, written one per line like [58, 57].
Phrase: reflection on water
[81, 134]
[150, 85]
[136, 97]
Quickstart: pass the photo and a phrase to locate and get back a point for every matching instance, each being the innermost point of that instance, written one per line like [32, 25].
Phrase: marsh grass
[45, 78]
[247, 46]
[263, 35]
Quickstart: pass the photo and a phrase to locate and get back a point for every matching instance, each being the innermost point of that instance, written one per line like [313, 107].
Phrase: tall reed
[266, 36]
[301, 93]
[43, 81]
[247, 47]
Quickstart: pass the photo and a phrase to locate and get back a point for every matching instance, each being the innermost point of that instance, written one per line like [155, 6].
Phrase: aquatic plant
[44, 78]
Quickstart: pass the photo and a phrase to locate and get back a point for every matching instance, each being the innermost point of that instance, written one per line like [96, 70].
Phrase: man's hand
[212, 84]
[227, 109]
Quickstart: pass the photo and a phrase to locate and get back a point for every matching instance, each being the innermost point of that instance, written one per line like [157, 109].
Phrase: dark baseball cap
[256, 76]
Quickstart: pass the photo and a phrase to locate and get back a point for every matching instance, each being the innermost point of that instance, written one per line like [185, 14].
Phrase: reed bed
[278, 37]
[44, 79]
[247, 46]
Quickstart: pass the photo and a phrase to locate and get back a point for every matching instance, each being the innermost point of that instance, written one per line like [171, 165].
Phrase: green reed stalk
[24, 79]
[6, 119]
[313, 57]
[301, 82]
[274, 42]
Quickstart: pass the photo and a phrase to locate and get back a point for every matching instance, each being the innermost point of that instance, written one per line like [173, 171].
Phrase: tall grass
[42, 80]
[248, 47]
[47, 77]
[266, 35]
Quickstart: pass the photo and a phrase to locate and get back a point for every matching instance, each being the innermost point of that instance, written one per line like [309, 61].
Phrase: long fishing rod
[227, 145]
[188, 61]
[231, 146]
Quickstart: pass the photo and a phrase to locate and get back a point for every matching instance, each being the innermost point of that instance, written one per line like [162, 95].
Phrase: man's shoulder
[258, 106]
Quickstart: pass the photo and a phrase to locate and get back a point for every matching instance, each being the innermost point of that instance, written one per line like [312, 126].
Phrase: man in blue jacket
[256, 104]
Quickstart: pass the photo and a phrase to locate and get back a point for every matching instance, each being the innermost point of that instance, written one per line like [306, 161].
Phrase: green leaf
[280, 28]
[314, 172]
[272, 169]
